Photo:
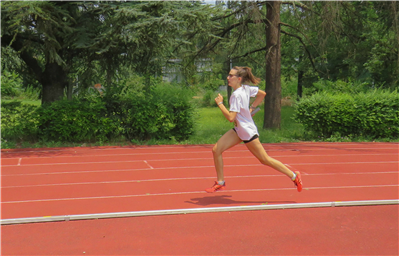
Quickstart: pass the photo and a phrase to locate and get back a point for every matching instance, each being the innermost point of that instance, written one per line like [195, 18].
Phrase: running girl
[245, 129]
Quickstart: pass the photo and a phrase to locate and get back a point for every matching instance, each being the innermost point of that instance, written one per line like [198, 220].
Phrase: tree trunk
[300, 79]
[69, 91]
[54, 81]
[299, 89]
[272, 116]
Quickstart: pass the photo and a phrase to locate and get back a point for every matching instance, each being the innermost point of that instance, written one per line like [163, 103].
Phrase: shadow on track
[226, 199]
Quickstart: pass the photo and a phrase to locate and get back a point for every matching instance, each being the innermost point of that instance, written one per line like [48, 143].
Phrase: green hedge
[165, 112]
[18, 121]
[373, 114]
[10, 84]
[75, 121]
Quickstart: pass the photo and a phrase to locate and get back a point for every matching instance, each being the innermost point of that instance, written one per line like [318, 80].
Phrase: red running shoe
[298, 181]
[216, 187]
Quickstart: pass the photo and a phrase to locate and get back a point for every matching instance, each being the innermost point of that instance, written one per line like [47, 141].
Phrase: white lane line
[279, 146]
[19, 161]
[85, 149]
[133, 154]
[85, 163]
[192, 178]
[192, 192]
[148, 164]
[197, 210]
[190, 159]
[119, 181]
[206, 148]
[193, 167]
[208, 151]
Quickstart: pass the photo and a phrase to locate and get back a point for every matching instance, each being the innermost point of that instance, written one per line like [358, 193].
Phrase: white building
[211, 2]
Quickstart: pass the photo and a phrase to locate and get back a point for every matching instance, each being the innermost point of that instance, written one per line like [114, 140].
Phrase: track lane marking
[188, 159]
[279, 146]
[192, 192]
[192, 167]
[191, 178]
[148, 164]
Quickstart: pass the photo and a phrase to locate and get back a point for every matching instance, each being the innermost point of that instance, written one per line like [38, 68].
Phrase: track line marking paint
[193, 167]
[19, 161]
[197, 210]
[190, 192]
[190, 178]
[205, 152]
[188, 159]
[148, 164]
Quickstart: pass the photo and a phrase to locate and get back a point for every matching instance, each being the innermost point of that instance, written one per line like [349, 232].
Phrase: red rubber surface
[365, 230]
[102, 180]
[51, 182]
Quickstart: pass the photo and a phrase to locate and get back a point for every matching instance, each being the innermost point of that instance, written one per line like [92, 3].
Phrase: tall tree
[59, 39]
[272, 114]
[35, 31]
[349, 41]
[242, 36]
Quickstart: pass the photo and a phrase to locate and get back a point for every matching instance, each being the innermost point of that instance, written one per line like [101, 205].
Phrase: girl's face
[233, 80]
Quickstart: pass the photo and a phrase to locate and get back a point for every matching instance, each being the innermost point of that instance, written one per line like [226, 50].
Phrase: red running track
[53, 182]
[365, 230]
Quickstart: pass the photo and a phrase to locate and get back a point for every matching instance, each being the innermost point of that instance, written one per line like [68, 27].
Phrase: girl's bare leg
[228, 140]
[259, 152]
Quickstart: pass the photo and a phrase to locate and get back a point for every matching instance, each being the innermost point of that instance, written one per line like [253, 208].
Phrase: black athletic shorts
[247, 141]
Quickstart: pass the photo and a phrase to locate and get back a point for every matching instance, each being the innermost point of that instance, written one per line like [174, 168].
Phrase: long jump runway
[91, 183]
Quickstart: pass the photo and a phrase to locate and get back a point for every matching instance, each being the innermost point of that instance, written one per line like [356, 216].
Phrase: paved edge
[195, 210]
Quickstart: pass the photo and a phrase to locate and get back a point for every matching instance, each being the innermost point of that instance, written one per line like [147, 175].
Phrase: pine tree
[59, 40]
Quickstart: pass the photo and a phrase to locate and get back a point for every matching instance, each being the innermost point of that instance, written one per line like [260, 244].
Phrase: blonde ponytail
[246, 74]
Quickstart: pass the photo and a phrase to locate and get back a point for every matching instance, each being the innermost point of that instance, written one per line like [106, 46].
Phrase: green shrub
[288, 87]
[18, 121]
[212, 84]
[374, 114]
[208, 99]
[164, 112]
[177, 122]
[31, 93]
[10, 84]
[75, 121]
[336, 87]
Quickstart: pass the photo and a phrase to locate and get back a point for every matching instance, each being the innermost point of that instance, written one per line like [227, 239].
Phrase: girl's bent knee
[214, 149]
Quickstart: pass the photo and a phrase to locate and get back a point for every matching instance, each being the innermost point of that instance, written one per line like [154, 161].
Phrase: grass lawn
[211, 125]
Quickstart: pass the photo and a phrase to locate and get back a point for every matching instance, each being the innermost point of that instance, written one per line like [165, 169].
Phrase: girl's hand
[219, 99]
